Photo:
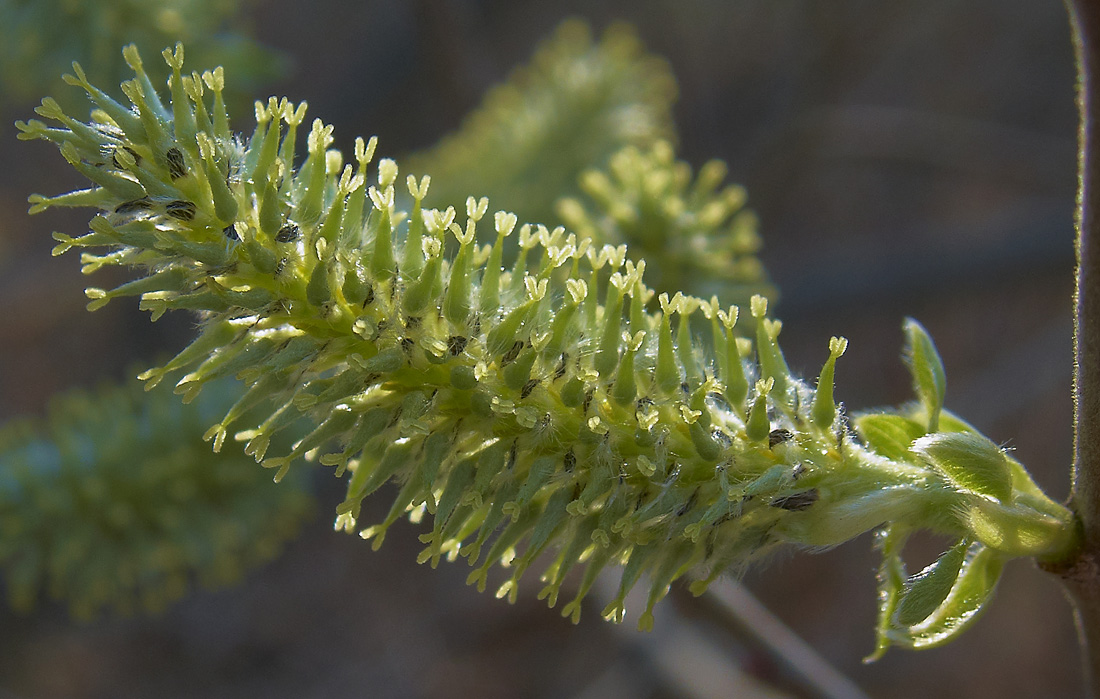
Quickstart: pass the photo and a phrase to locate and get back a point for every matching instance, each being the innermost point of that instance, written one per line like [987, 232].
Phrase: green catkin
[563, 126]
[111, 502]
[696, 239]
[542, 421]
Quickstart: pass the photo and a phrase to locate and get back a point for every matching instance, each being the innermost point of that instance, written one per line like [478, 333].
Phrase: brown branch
[1081, 573]
[1085, 17]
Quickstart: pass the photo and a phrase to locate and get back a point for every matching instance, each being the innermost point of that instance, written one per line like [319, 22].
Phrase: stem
[730, 605]
[1081, 573]
[1085, 16]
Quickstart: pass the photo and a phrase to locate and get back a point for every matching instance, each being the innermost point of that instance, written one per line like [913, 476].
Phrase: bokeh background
[912, 157]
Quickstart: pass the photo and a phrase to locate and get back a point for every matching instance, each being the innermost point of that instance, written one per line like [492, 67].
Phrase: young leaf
[888, 434]
[973, 588]
[971, 461]
[891, 583]
[926, 367]
[926, 590]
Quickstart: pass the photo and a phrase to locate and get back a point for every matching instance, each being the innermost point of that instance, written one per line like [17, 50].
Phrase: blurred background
[904, 158]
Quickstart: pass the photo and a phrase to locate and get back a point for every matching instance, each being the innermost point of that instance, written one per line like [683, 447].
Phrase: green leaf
[970, 461]
[967, 598]
[926, 367]
[1019, 530]
[950, 422]
[927, 590]
[891, 581]
[889, 435]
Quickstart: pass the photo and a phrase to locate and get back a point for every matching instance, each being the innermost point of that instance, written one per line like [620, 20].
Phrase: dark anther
[560, 371]
[687, 505]
[796, 502]
[724, 518]
[370, 296]
[176, 166]
[280, 267]
[587, 401]
[843, 427]
[412, 322]
[510, 355]
[230, 232]
[127, 207]
[407, 344]
[456, 345]
[288, 233]
[778, 436]
[685, 388]
[181, 210]
[570, 460]
[528, 387]
[719, 400]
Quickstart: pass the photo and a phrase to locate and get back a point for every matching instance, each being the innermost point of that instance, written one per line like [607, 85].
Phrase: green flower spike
[521, 417]
[698, 239]
[570, 108]
[113, 502]
[39, 39]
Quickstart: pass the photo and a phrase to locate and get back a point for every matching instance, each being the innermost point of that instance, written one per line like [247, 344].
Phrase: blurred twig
[691, 663]
[732, 606]
[688, 662]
